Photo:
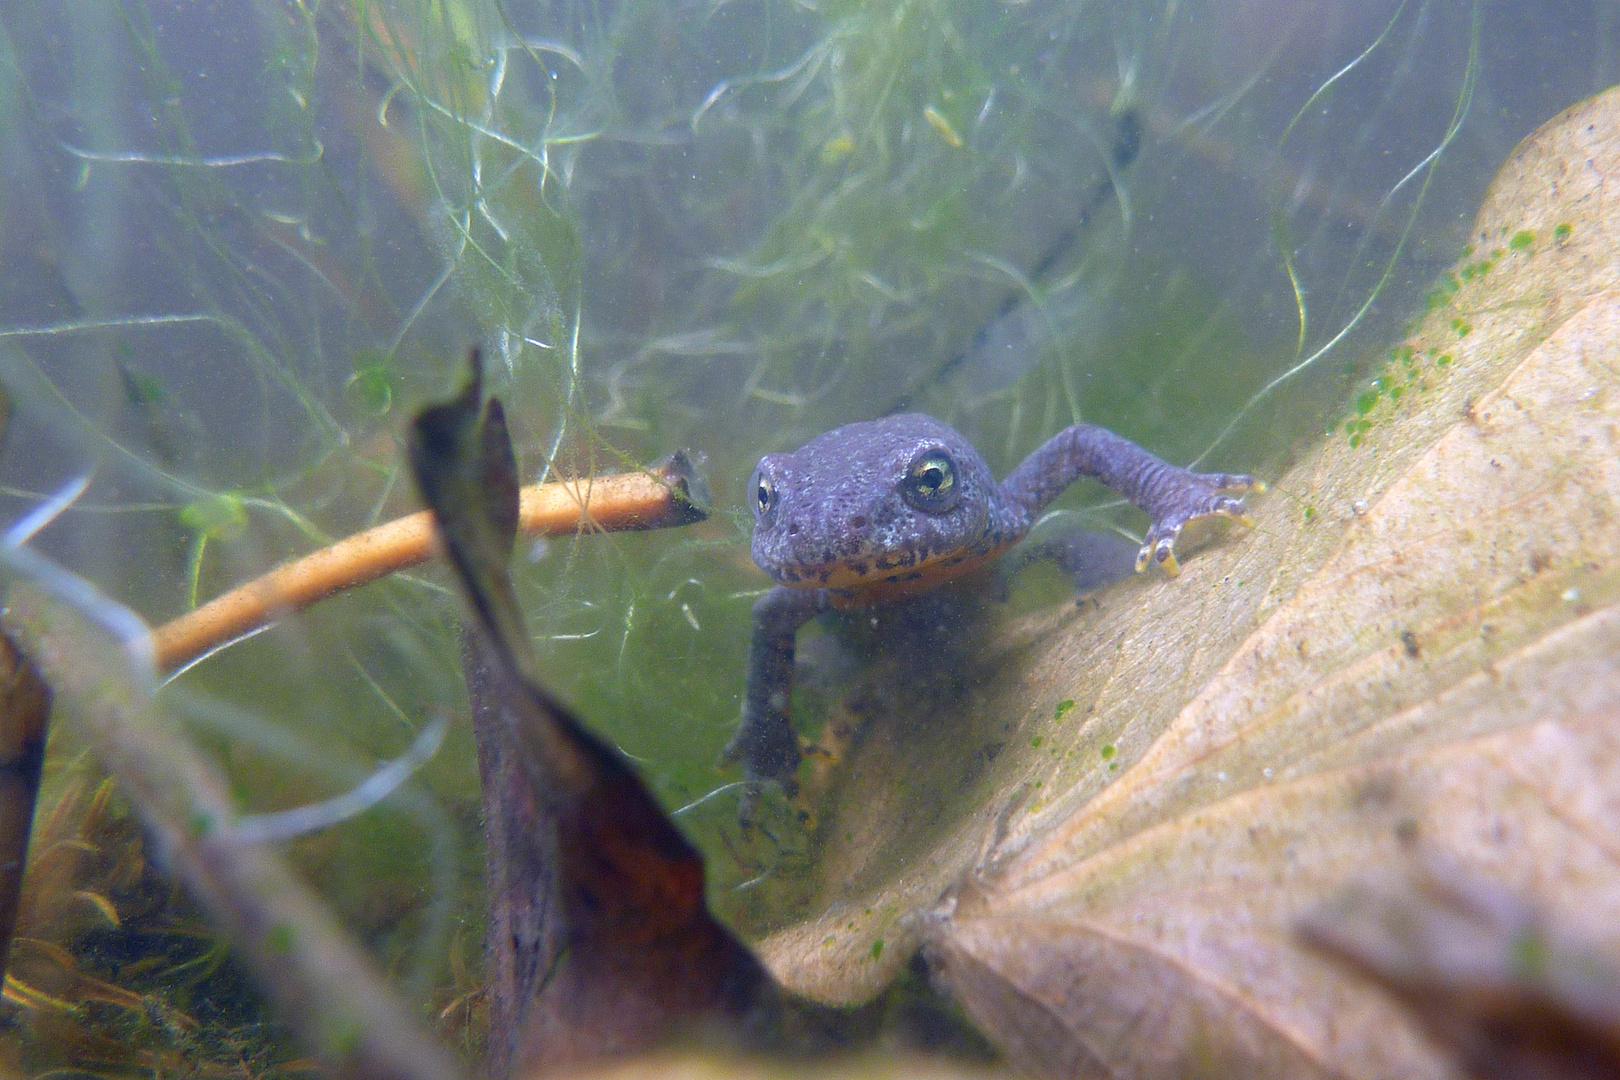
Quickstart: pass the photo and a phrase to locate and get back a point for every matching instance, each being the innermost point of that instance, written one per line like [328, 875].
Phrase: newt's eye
[930, 483]
[764, 495]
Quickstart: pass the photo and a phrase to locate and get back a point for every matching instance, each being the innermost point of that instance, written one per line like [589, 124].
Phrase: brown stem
[668, 494]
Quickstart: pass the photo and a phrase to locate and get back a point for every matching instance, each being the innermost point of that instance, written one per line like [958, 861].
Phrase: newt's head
[883, 507]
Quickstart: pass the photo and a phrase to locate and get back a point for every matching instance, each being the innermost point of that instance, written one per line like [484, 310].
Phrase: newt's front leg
[765, 742]
[1172, 496]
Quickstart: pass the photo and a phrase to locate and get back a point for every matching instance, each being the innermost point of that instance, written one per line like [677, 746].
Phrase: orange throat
[854, 586]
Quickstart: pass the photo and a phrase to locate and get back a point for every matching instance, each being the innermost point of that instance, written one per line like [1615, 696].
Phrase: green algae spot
[1529, 951]
[1521, 240]
[343, 1036]
[1062, 707]
[1035, 743]
[200, 824]
[837, 149]
[877, 948]
[1107, 751]
[1561, 231]
[1462, 327]
[141, 389]
[1310, 513]
[221, 517]
[370, 391]
[279, 939]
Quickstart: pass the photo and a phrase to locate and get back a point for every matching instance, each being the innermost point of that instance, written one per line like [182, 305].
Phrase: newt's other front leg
[1172, 496]
[765, 742]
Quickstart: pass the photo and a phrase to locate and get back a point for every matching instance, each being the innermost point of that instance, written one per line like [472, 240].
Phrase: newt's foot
[753, 795]
[770, 752]
[1188, 498]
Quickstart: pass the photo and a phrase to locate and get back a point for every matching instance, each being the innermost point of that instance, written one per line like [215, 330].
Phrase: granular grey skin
[885, 510]
[839, 504]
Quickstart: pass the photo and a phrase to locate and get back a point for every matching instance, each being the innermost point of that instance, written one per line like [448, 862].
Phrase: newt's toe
[1189, 499]
[1162, 553]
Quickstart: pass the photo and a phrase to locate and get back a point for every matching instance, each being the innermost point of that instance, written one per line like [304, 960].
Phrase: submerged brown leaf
[1105, 847]
[25, 705]
[1515, 997]
[601, 943]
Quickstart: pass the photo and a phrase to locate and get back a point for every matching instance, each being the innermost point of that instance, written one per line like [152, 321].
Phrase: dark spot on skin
[974, 770]
[859, 568]
[1406, 832]
[1409, 641]
[1377, 791]
[858, 521]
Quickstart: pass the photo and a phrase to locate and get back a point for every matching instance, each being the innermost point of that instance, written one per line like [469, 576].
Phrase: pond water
[244, 242]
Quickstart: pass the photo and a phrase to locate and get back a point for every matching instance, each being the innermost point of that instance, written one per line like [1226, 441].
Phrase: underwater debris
[25, 706]
[321, 984]
[601, 942]
[670, 493]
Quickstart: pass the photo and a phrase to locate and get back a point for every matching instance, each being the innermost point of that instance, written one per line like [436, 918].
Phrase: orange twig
[661, 497]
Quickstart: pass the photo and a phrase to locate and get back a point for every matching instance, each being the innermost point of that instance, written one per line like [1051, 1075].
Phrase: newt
[880, 510]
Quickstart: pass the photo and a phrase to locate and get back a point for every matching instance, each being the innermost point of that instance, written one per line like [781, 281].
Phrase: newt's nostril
[857, 522]
[793, 528]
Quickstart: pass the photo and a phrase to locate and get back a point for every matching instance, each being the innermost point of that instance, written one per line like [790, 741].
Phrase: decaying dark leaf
[1104, 848]
[25, 704]
[601, 942]
[1516, 997]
